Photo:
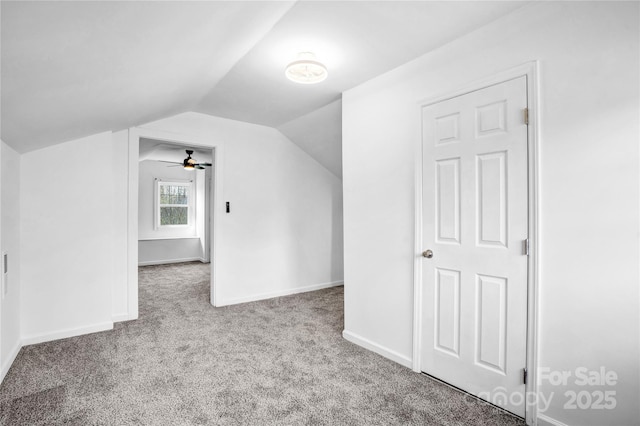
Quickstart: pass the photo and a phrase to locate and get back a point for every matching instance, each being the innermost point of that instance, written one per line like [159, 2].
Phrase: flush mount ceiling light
[306, 69]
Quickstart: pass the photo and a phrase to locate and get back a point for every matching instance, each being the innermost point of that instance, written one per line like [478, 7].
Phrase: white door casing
[475, 219]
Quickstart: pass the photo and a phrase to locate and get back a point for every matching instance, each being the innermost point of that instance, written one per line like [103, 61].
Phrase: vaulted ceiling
[75, 68]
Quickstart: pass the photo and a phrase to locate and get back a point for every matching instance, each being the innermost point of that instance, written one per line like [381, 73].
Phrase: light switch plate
[5, 274]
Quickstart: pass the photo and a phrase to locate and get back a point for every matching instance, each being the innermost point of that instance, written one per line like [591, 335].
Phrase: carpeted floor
[280, 361]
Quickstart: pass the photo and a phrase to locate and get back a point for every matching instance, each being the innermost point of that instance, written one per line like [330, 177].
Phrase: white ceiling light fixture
[306, 69]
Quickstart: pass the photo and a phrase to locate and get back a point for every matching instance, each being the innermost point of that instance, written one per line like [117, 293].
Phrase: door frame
[530, 71]
[215, 193]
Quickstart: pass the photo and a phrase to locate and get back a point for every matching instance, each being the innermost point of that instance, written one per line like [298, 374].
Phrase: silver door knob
[428, 254]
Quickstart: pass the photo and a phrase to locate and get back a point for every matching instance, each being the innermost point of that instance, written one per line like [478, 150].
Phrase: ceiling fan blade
[172, 162]
[204, 164]
[199, 167]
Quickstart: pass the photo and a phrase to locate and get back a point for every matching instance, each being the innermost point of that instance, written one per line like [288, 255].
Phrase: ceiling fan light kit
[306, 69]
[189, 163]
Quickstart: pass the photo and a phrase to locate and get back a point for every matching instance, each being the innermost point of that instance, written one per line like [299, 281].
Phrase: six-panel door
[475, 221]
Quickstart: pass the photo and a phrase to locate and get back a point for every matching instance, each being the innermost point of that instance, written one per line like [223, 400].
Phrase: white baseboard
[380, 350]
[548, 421]
[9, 362]
[169, 261]
[63, 334]
[123, 317]
[279, 293]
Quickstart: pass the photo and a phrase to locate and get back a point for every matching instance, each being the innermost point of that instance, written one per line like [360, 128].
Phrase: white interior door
[475, 223]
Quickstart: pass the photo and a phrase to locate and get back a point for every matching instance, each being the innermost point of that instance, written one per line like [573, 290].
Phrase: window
[174, 204]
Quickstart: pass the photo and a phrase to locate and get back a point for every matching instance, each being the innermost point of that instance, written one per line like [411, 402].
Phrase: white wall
[284, 232]
[173, 250]
[9, 243]
[71, 236]
[589, 171]
[167, 245]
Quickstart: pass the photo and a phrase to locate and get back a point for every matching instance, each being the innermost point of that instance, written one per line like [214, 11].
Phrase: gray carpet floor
[183, 362]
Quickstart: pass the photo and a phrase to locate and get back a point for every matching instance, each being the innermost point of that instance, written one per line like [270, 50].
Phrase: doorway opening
[174, 207]
[171, 208]
[173, 203]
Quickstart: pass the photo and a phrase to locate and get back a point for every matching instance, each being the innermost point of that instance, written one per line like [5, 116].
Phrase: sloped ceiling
[356, 40]
[319, 134]
[75, 68]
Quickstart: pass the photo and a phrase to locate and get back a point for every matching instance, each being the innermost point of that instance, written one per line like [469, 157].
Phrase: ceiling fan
[190, 163]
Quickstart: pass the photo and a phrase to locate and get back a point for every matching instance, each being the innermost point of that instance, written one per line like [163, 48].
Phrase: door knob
[428, 254]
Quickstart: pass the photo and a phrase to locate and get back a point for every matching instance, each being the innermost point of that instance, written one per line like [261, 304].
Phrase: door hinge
[526, 116]
[525, 247]
[524, 376]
